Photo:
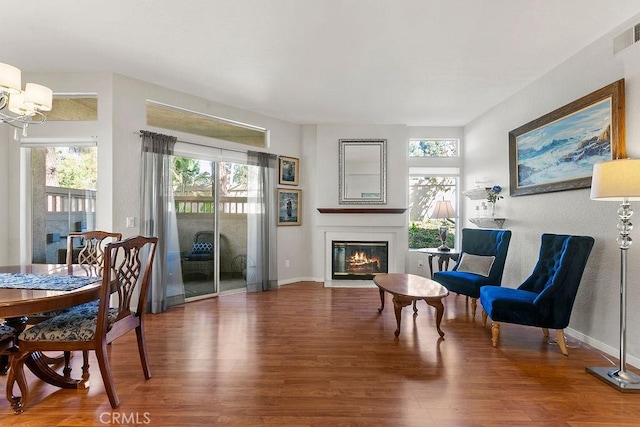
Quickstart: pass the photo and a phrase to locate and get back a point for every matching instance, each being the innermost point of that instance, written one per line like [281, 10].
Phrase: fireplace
[358, 260]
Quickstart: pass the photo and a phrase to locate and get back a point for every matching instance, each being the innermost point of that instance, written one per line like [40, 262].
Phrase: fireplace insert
[359, 260]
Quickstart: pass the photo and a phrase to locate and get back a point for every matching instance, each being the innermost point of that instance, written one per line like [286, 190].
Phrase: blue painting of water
[567, 148]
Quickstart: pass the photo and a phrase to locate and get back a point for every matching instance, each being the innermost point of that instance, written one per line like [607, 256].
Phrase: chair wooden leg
[484, 318]
[107, 378]
[561, 342]
[545, 332]
[474, 306]
[142, 349]
[16, 375]
[67, 364]
[85, 365]
[495, 333]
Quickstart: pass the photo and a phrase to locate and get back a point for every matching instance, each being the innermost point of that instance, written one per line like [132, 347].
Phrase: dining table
[36, 288]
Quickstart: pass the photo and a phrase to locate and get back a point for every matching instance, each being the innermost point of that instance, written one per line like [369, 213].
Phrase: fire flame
[360, 258]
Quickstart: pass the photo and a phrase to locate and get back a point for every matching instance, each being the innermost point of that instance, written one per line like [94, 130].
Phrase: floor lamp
[619, 180]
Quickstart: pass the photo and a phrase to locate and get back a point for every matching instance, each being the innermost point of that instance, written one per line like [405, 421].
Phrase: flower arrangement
[493, 194]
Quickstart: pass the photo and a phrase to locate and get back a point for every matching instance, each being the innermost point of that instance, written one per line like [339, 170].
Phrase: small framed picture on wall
[289, 206]
[289, 170]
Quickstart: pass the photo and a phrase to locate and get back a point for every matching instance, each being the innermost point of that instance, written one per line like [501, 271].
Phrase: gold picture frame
[289, 206]
[289, 170]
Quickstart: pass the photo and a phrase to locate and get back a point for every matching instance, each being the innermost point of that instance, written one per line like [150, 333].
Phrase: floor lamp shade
[619, 180]
[616, 180]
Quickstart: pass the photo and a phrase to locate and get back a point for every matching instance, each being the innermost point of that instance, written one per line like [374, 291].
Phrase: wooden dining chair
[126, 273]
[85, 248]
[90, 253]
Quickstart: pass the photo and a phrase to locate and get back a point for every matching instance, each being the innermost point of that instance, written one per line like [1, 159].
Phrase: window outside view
[64, 188]
[425, 189]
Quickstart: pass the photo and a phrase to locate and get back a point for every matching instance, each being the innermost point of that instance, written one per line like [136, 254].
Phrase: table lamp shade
[616, 180]
[443, 209]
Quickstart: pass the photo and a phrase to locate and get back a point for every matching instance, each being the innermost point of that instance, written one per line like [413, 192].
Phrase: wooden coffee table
[408, 288]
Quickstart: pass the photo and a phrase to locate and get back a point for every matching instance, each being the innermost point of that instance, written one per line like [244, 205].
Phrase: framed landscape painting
[289, 170]
[557, 151]
[289, 206]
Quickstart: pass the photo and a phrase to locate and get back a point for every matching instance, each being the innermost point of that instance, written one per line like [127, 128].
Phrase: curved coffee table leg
[381, 301]
[437, 304]
[398, 303]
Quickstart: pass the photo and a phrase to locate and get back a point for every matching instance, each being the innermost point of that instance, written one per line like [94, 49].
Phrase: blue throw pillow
[202, 248]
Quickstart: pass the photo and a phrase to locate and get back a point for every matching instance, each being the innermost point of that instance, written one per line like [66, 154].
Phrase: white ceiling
[414, 62]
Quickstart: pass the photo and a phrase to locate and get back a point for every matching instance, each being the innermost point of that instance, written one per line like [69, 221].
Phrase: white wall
[595, 317]
[6, 133]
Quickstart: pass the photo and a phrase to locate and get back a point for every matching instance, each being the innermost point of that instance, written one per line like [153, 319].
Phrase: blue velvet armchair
[481, 262]
[545, 299]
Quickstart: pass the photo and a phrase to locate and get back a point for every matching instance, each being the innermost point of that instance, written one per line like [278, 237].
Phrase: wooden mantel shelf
[362, 210]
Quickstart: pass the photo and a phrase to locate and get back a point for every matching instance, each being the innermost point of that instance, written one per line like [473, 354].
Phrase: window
[74, 107]
[433, 148]
[64, 189]
[434, 174]
[424, 191]
[182, 120]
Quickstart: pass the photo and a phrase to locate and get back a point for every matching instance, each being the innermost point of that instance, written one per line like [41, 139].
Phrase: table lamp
[443, 210]
[619, 180]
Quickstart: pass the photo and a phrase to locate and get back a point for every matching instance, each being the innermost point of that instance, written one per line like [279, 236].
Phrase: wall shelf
[488, 222]
[476, 193]
[362, 210]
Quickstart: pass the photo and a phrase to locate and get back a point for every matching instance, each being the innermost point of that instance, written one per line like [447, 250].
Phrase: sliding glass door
[210, 200]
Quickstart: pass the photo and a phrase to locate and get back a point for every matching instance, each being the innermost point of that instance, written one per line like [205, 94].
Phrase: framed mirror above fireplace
[363, 172]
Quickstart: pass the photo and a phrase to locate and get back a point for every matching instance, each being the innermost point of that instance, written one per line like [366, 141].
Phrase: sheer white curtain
[159, 219]
[262, 271]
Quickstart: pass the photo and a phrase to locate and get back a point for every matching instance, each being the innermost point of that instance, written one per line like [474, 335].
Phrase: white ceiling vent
[626, 38]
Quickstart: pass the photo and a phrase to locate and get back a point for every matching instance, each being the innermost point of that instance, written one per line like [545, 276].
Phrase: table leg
[381, 301]
[431, 266]
[18, 323]
[38, 364]
[398, 303]
[437, 304]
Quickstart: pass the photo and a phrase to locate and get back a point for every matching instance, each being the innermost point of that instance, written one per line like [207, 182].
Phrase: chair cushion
[7, 332]
[477, 264]
[510, 305]
[462, 282]
[78, 324]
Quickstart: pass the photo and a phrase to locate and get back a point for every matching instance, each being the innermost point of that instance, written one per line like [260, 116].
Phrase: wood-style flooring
[305, 355]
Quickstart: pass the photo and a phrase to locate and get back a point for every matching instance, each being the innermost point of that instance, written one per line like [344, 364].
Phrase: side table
[443, 258]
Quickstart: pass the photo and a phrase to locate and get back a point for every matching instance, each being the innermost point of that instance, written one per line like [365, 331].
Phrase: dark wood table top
[434, 251]
[22, 302]
[410, 285]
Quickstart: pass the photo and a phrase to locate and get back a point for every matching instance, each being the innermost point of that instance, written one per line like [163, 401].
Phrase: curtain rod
[204, 145]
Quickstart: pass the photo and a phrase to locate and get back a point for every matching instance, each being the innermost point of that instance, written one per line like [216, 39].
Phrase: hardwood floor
[305, 355]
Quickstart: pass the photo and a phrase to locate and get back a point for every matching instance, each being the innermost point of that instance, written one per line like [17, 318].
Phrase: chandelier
[24, 107]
